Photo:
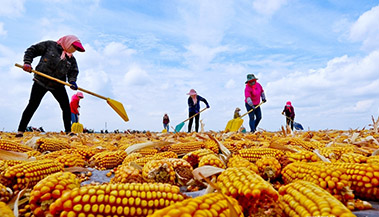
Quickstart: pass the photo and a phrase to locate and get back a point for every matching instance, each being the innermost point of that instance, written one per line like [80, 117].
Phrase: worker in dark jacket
[57, 60]
[289, 112]
[194, 108]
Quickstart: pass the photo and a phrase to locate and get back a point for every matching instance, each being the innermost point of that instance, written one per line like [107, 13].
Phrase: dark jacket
[166, 120]
[289, 111]
[51, 64]
[196, 107]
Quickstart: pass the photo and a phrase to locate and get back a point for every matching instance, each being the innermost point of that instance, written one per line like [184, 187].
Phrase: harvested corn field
[313, 173]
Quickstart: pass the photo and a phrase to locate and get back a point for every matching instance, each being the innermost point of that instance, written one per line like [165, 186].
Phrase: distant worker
[166, 121]
[74, 106]
[253, 94]
[56, 60]
[194, 108]
[289, 112]
[237, 113]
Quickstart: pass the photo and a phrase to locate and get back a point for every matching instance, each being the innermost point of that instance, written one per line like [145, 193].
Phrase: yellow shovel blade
[77, 128]
[119, 108]
[237, 123]
[229, 125]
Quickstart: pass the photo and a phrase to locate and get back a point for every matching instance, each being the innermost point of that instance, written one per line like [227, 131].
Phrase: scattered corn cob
[128, 200]
[211, 145]
[238, 161]
[147, 151]
[334, 153]
[183, 148]
[254, 154]
[49, 189]
[5, 210]
[233, 145]
[159, 171]
[303, 155]
[352, 158]
[5, 193]
[27, 174]
[131, 157]
[183, 170]
[51, 144]
[269, 168]
[212, 204]
[326, 175]
[253, 193]
[144, 160]
[127, 174]
[211, 160]
[9, 145]
[364, 179]
[193, 157]
[167, 154]
[108, 159]
[295, 141]
[71, 160]
[302, 198]
[373, 159]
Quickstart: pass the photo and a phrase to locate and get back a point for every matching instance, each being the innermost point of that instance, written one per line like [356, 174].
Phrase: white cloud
[136, 76]
[268, 7]
[366, 29]
[12, 8]
[230, 84]
[364, 105]
[3, 32]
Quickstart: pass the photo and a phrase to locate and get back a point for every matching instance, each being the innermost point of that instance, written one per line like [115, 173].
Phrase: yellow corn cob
[364, 179]
[27, 174]
[131, 157]
[303, 155]
[269, 168]
[127, 174]
[238, 161]
[373, 159]
[254, 154]
[193, 157]
[51, 144]
[71, 160]
[183, 170]
[302, 198]
[5, 210]
[352, 158]
[49, 189]
[233, 145]
[84, 151]
[147, 151]
[211, 145]
[252, 192]
[326, 175]
[212, 204]
[33, 153]
[167, 154]
[144, 160]
[182, 148]
[307, 145]
[10, 145]
[159, 171]
[211, 160]
[334, 153]
[5, 193]
[128, 200]
[108, 159]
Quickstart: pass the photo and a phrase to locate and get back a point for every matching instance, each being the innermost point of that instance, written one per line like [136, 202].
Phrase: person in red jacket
[74, 105]
[289, 112]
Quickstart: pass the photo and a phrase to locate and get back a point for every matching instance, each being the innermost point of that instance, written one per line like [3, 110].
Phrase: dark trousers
[254, 117]
[36, 95]
[197, 118]
[289, 122]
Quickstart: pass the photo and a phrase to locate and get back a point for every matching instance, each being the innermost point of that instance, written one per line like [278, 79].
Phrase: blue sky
[323, 56]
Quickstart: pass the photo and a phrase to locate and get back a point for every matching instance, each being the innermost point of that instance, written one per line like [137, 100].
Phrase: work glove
[73, 86]
[263, 97]
[27, 67]
[208, 106]
[250, 102]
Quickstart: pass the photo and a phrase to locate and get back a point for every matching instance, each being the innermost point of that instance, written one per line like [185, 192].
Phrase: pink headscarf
[288, 104]
[66, 42]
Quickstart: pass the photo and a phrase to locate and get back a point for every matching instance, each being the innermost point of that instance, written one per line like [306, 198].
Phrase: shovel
[77, 127]
[117, 106]
[180, 126]
[297, 126]
[234, 124]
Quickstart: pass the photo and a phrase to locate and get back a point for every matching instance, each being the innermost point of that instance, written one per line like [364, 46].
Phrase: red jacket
[74, 104]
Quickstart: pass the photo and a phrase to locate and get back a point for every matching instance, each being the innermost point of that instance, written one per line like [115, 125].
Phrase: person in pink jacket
[74, 105]
[253, 94]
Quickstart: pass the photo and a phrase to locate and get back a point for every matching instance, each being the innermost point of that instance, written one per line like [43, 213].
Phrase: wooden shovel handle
[195, 114]
[252, 109]
[62, 82]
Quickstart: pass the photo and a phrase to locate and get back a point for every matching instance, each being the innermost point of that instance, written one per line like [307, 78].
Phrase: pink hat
[288, 103]
[78, 46]
[80, 94]
[192, 92]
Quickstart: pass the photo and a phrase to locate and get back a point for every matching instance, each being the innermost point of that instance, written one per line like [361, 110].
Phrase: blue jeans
[74, 118]
[165, 126]
[254, 117]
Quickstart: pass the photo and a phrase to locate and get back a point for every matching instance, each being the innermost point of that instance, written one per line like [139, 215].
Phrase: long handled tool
[180, 126]
[117, 106]
[234, 124]
[297, 125]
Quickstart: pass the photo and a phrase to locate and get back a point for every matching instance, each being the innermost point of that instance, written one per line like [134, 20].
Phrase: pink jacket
[254, 92]
[74, 104]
